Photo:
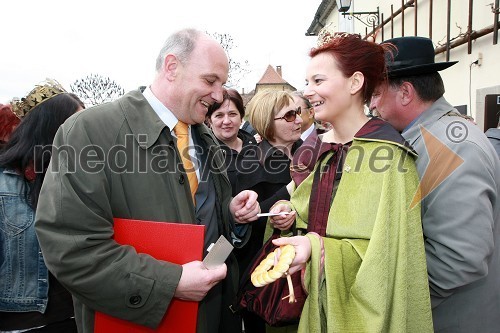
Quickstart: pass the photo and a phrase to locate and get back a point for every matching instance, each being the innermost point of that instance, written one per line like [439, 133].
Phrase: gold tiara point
[328, 34]
[41, 93]
[325, 35]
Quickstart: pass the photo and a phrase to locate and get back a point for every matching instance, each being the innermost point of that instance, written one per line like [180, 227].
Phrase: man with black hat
[460, 185]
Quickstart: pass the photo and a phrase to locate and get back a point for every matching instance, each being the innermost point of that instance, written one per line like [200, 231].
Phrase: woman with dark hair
[225, 119]
[356, 196]
[30, 297]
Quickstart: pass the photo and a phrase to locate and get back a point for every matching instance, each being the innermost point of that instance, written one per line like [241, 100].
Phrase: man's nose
[218, 95]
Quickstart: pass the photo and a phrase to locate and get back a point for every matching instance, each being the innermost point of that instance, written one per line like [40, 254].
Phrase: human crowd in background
[396, 222]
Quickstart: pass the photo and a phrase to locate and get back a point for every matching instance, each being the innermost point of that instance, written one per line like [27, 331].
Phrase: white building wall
[465, 84]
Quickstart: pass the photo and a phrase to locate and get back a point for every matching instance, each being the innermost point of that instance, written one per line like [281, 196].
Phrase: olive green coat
[368, 274]
[119, 160]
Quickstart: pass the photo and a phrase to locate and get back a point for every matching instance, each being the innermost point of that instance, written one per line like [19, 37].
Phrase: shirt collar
[412, 123]
[307, 132]
[161, 110]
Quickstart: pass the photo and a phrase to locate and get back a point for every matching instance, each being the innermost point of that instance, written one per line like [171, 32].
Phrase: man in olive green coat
[120, 160]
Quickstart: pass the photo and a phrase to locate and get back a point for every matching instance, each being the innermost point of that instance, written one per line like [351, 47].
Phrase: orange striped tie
[182, 132]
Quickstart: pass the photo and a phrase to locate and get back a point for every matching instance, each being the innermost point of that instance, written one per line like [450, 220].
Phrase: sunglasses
[291, 115]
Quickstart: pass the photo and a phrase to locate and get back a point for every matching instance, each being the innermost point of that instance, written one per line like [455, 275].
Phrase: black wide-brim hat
[413, 56]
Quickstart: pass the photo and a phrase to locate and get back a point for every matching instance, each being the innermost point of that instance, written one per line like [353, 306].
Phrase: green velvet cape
[374, 277]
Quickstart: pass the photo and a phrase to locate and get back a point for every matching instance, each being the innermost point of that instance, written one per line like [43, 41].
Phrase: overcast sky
[67, 40]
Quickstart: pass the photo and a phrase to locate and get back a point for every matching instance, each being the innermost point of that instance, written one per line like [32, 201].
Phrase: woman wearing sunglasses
[356, 196]
[266, 168]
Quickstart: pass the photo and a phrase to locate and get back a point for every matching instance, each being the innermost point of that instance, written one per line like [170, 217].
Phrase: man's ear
[406, 93]
[357, 80]
[170, 66]
[311, 112]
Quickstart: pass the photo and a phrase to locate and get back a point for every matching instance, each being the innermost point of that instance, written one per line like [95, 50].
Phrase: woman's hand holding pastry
[302, 246]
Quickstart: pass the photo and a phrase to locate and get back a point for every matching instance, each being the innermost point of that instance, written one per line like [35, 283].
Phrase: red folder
[173, 242]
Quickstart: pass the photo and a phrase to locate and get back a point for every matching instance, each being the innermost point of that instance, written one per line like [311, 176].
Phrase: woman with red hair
[356, 198]
[8, 122]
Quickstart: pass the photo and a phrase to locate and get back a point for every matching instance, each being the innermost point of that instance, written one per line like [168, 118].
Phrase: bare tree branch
[96, 89]
[237, 70]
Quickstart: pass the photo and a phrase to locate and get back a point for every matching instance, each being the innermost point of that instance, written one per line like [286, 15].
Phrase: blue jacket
[24, 277]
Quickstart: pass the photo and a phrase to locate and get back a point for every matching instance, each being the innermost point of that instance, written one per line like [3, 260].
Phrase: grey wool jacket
[460, 183]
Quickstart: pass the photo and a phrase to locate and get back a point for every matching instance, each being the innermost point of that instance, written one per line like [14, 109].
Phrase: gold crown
[39, 94]
[327, 35]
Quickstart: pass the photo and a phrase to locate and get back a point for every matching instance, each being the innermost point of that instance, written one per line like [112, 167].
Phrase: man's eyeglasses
[291, 115]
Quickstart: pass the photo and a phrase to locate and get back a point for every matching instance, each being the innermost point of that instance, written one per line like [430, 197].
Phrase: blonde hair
[263, 108]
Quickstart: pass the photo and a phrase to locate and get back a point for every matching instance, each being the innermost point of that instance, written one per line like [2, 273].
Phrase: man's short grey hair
[300, 94]
[180, 43]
